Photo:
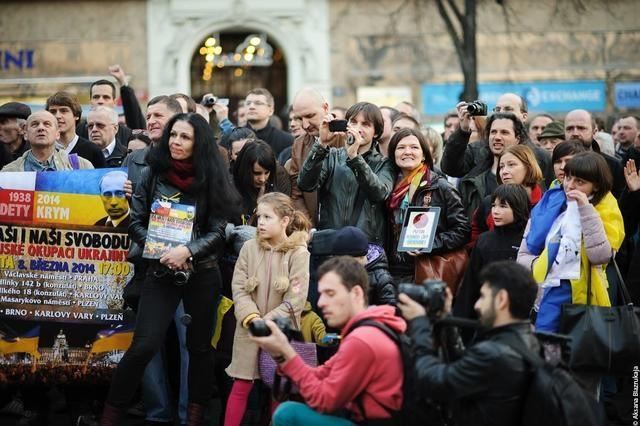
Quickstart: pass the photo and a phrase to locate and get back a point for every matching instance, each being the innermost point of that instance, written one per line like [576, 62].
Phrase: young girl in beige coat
[271, 274]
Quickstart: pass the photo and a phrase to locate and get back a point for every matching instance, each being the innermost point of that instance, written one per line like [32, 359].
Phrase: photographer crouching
[363, 380]
[487, 384]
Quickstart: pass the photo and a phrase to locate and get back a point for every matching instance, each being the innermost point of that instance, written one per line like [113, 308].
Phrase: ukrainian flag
[113, 339]
[27, 343]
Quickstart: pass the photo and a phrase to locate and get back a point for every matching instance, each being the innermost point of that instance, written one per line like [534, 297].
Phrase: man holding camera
[462, 158]
[488, 383]
[352, 182]
[363, 380]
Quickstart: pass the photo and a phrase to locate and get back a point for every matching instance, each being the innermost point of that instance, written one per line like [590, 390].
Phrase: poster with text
[63, 245]
[419, 229]
[63, 265]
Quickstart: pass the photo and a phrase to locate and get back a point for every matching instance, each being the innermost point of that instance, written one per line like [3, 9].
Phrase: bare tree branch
[456, 10]
[455, 38]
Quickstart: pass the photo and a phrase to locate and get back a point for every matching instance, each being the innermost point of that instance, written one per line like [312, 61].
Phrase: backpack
[415, 411]
[554, 398]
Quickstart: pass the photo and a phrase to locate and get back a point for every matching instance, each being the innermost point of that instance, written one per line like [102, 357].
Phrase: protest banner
[63, 263]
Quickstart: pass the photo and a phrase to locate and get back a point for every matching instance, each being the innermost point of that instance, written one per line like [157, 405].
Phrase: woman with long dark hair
[185, 168]
[417, 184]
[255, 173]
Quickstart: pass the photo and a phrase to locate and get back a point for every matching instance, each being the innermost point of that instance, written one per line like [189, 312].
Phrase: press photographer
[487, 385]
[363, 380]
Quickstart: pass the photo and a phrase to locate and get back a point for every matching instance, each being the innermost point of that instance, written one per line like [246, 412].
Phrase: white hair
[111, 113]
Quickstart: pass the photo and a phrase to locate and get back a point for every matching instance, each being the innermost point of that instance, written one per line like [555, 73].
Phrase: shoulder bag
[605, 339]
[448, 267]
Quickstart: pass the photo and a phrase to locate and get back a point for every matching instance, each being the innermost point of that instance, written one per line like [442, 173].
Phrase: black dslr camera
[259, 328]
[477, 108]
[431, 294]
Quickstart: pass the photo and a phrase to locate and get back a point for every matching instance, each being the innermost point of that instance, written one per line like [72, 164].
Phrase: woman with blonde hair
[435, 143]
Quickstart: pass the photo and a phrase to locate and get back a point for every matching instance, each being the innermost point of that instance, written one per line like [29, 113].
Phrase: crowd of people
[307, 224]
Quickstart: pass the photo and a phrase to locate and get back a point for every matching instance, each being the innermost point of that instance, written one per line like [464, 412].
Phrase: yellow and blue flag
[27, 343]
[113, 339]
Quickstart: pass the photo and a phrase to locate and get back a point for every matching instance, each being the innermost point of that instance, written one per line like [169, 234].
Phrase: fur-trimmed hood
[296, 239]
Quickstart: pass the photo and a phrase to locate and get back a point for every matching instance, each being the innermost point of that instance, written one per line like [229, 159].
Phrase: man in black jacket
[487, 384]
[103, 128]
[460, 156]
[260, 107]
[66, 108]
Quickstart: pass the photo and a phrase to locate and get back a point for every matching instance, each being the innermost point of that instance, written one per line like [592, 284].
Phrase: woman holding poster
[417, 184]
[185, 168]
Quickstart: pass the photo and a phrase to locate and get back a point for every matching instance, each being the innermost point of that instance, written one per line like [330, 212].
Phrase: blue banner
[627, 95]
[541, 96]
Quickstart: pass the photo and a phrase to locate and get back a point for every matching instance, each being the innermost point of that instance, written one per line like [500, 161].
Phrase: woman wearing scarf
[418, 185]
[185, 168]
[570, 238]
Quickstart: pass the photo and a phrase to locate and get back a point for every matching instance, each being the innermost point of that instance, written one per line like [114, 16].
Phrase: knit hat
[555, 129]
[350, 241]
[15, 110]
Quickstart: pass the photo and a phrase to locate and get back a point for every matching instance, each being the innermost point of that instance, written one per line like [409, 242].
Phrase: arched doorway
[230, 63]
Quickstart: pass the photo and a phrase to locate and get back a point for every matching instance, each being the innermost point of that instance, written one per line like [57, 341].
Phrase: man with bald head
[515, 104]
[42, 133]
[309, 108]
[580, 126]
[464, 158]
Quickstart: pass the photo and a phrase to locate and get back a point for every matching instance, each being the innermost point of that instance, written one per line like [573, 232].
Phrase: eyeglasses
[136, 132]
[256, 103]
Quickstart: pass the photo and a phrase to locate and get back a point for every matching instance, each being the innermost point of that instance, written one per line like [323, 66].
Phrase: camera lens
[181, 277]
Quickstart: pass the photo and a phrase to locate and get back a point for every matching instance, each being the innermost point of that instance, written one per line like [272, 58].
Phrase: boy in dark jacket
[351, 241]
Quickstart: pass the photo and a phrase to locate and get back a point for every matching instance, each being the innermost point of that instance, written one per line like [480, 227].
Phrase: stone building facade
[338, 46]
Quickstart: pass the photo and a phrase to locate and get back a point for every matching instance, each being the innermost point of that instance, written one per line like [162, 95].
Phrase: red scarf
[403, 186]
[181, 174]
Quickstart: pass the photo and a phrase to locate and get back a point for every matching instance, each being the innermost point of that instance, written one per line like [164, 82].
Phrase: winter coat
[602, 233]
[453, 227]
[339, 181]
[476, 186]
[311, 325]
[460, 156]
[368, 363]
[208, 235]
[382, 290]
[60, 159]
[263, 279]
[501, 243]
[487, 385]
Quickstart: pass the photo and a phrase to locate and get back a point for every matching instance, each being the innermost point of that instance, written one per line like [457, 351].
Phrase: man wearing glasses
[114, 201]
[42, 133]
[461, 158]
[260, 107]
